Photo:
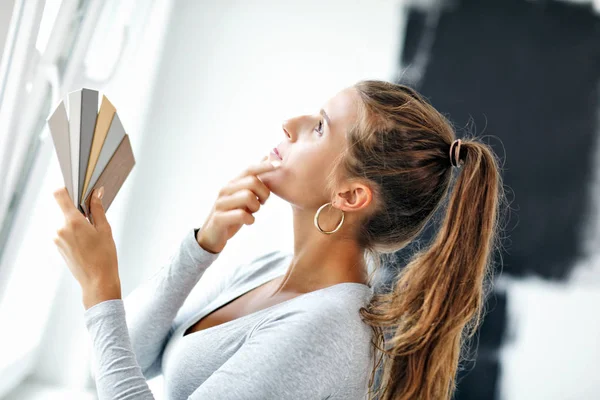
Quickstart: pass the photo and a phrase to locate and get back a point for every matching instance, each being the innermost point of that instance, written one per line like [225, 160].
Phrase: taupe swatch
[113, 176]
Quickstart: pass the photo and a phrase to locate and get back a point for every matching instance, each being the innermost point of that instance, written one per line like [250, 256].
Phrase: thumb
[97, 210]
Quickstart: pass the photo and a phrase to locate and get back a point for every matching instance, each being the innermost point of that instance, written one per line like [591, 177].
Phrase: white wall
[553, 347]
[231, 72]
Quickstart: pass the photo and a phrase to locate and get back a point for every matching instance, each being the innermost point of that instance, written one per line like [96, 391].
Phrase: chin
[272, 182]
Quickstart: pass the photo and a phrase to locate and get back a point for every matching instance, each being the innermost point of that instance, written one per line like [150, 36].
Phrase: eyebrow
[324, 114]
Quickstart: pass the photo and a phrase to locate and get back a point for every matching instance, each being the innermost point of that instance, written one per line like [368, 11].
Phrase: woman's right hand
[234, 206]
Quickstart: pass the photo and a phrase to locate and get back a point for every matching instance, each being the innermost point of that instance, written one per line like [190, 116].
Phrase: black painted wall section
[525, 75]
[528, 74]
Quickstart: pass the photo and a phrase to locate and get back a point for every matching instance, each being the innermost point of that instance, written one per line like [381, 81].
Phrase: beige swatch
[103, 122]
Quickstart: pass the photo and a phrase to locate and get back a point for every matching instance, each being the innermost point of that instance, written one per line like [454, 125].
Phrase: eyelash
[321, 132]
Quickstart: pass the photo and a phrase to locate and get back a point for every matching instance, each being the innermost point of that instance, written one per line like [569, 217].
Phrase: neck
[321, 260]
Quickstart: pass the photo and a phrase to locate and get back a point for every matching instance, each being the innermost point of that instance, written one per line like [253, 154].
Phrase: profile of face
[309, 148]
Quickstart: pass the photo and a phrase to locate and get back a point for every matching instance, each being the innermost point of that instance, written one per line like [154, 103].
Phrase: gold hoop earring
[317, 220]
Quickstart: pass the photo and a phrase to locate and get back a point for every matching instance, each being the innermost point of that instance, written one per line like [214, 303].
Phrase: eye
[319, 127]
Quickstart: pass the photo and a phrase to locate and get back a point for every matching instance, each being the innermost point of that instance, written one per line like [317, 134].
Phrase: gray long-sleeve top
[313, 346]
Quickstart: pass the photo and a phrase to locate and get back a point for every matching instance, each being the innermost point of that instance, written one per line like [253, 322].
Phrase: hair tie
[455, 161]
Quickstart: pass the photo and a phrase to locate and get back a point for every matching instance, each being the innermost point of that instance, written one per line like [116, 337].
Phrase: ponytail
[437, 301]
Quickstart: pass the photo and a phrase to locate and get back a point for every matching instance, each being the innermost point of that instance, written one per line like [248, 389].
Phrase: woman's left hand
[89, 249]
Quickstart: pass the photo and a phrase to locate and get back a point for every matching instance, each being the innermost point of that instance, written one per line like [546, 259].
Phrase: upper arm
[298, 355]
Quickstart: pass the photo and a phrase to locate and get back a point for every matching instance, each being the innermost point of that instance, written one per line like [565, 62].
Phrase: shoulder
[338, 307]
[259, 266]
[266, 258]
[329, 320]
[341, 320]
[354, 338]
[343, 314]
[327, 329]
[269, 255]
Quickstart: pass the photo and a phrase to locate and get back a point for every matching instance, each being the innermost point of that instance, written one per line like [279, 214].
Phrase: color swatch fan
[92, 147]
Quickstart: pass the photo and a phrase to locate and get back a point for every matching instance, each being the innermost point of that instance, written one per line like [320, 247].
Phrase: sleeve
[126, 357]
[118, 376]
[294, 356]
[299, 355]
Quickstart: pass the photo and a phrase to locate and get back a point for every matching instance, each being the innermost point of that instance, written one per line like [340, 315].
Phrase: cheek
[310, 172]
[302, 177]
[297, 178]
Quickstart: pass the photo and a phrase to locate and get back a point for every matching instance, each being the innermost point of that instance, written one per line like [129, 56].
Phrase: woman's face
[309, 148]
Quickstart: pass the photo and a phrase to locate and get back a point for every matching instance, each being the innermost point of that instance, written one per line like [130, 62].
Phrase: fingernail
[100, 192]
[276, 163]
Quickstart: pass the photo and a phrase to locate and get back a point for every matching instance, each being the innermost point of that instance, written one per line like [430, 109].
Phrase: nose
[294, 127]
[286, 129]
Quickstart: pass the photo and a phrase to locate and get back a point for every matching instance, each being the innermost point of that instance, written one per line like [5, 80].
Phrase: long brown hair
[400, 145]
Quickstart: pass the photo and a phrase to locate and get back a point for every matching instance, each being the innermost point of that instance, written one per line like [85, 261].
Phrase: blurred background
[202, 88]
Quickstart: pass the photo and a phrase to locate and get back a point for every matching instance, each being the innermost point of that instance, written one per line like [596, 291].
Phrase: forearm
[118, 374]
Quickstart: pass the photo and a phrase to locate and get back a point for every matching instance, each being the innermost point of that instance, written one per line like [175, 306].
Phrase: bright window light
[51, 8]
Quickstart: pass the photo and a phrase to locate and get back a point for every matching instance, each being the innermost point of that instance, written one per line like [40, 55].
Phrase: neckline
[245, 289]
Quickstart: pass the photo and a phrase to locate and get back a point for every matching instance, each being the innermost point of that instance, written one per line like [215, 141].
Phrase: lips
[276, 152]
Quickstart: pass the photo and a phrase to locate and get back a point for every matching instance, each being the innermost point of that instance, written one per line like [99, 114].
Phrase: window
[54, 47]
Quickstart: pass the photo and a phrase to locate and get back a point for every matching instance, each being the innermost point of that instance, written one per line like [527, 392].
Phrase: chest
[249, 302]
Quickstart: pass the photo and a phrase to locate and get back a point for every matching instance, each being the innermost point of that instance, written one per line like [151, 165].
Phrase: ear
[354, 197]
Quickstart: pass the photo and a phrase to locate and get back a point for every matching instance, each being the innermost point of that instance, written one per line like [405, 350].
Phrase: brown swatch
[113, 176]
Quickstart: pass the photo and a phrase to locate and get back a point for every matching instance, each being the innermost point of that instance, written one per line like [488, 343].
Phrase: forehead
[342, 110]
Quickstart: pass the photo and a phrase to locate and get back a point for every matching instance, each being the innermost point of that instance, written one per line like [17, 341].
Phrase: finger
[252, 183]
[244, 199]
[58, 242]
[237, 216]
[256, 169]
[64, 201]
[97, 210]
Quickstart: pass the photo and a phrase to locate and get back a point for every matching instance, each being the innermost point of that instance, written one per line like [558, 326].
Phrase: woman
[363, 175]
